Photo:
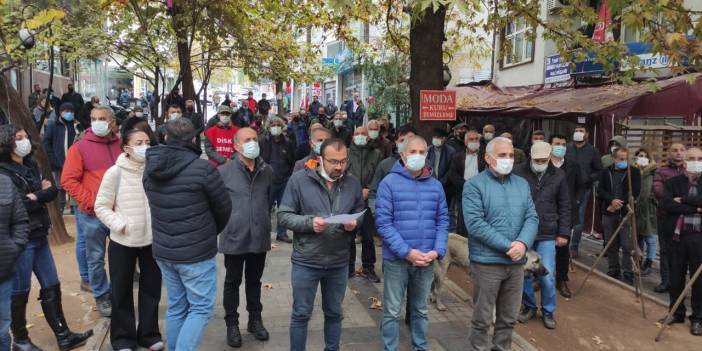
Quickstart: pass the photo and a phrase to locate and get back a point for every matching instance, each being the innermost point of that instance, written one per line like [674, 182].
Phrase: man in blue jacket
[58, 137]
[502, 223]
[412, 217]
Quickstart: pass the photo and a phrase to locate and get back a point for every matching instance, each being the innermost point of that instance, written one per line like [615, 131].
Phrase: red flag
[603, 28]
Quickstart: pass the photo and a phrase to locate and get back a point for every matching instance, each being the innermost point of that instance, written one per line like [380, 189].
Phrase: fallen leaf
[375, 303]
[29, 326]
[355, 292]
[39, 315]
[597, 340]
[268, 286]
[532, 340]
[274, 246]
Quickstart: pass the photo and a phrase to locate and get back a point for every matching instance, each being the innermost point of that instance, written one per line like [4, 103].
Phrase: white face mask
[251, 150]
[415, 162]
[175, 115]
[338, 123]
[473, 146]
[323, 173]
[537, 168]
[503, 166]
[276, 130]
[373, 134]
[488, 136]
[100, 128]
[437, 142]
[694, 167]
[559, 163]
[139, 152]
[139, 114]
[360, 140]
[642, 161]
[578, 136]
[23, 147]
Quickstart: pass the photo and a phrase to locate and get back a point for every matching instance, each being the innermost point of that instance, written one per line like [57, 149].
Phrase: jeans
[578, 228]
[252, 264]
[547, 250]
[192, 289]
[5, 315]
[497, 291]
[277, 190]
[623, 241]
[95, 239]
[399, 275]
[61, 192]
[36, 258]
[651, 242]
[304, 283]
[124, 332]
[81, 257]
[367, 230]
[686, 254]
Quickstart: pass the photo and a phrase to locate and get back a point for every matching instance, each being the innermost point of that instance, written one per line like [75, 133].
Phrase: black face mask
[190, 108]
[461, 136]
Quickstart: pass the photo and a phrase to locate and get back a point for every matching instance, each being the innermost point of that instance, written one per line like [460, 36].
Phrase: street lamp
[26, 38]
[447, 75]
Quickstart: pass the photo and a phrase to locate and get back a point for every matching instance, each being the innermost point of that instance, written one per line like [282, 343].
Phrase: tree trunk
[279, 97]
[156, 99]
[183, 47]
[19, 115]
[426, 62]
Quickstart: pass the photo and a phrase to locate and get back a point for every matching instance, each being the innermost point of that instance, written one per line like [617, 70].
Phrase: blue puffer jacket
[411, 213]
[497, 212]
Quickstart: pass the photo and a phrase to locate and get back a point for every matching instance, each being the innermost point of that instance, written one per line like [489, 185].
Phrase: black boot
[20, 335]
[53, 312]
[233, 335]
[256, 327]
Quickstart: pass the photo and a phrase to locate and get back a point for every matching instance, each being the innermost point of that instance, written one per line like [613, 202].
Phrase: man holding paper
[320, 249]
[412, 217]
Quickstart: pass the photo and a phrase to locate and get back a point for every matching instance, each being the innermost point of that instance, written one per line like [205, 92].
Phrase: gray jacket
[249, 226]
[306, 197]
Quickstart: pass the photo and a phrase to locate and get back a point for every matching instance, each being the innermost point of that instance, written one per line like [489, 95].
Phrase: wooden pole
[635, 254]
[677, 303]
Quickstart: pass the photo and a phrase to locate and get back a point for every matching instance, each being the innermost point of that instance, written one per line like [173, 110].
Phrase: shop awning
[569, 103]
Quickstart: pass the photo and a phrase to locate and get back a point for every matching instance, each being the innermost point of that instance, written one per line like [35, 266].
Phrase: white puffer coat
[122, 205]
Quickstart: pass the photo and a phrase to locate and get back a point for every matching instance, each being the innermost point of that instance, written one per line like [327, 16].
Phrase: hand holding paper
[344, 218]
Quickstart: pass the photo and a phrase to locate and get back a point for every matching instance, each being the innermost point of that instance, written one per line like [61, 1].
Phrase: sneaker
[104, 305]
[284, 238]
[549, 322]
[526, 314]
[696, 328]
[85, 286]
[370, 275]
[157, 346]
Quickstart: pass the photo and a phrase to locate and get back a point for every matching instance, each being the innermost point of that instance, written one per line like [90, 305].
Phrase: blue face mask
[559, 151]
[622, 164]
[415, 162]
[68, 116]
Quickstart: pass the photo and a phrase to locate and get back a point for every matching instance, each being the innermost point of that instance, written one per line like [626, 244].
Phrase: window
[518, 43]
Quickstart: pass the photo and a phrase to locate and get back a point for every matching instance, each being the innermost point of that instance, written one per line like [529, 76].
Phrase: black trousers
[367, 230]
[664, 243]
[124, 334]
[562, 260]
[251, 265]
[685, 255]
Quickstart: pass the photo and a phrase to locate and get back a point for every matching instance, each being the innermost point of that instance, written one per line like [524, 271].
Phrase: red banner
[603, 27]
[437, 105]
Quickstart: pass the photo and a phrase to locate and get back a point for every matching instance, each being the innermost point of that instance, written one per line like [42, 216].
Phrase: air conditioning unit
[554, 6]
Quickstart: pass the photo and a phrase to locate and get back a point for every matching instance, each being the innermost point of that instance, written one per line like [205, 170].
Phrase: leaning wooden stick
[604, 251]
[680, 299]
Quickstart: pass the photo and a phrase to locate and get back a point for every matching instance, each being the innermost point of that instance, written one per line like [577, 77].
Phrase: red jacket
[253, 106]
[222, 141]
[86, 163]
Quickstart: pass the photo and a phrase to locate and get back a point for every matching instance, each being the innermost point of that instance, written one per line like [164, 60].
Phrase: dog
[457, 253]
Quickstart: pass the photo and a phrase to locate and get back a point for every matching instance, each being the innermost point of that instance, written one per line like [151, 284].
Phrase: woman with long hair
[17, 163]
[646, 204]
[121, 204]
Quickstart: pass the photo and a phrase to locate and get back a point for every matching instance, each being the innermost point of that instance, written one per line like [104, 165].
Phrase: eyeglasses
[337, 162]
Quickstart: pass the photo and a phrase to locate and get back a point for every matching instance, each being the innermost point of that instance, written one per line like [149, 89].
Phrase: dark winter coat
[551, 198]
[306, 197]
[314, 108]
[14, 227]
[243, 117]
[27, 179]
[279, 153]
[330, 109]
[446, 156]
[74, 99]
[264, 106]
[589, 160]
[249, 226]
[678, 186]
[605, 192]
[189, 203]
[646, 203]
[54, 141]
[457, 170]
[576, 188]
[342, 133]
[363, 161]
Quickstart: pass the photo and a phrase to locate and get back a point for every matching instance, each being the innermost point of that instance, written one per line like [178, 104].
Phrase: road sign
[437, 105]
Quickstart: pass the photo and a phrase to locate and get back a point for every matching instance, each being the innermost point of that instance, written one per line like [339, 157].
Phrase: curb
[619, 283]
[102, 327]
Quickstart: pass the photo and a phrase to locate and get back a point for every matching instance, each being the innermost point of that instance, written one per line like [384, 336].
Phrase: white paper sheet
[344, 218]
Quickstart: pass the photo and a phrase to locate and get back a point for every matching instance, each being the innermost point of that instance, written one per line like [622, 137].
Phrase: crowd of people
[168, 211]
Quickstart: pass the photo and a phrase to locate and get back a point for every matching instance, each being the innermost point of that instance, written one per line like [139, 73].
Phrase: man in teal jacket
[502, 223]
